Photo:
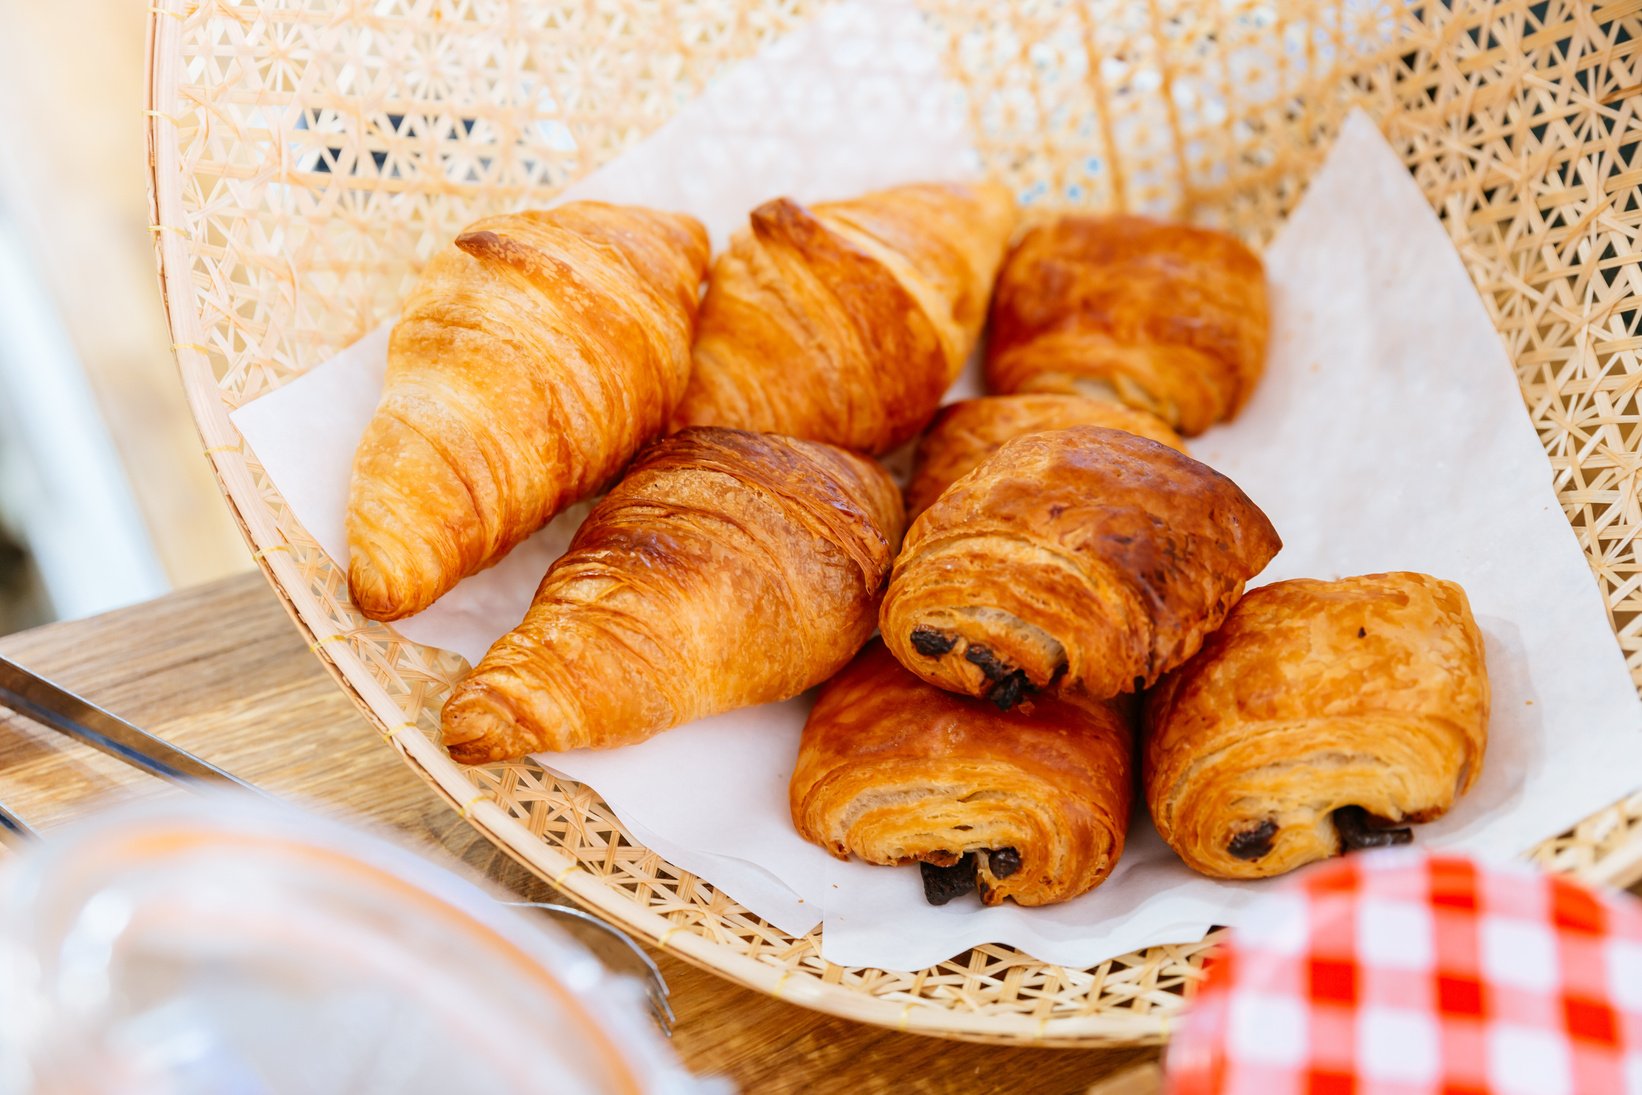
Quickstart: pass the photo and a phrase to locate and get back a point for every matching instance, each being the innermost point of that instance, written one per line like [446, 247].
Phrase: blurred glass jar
[229, 945]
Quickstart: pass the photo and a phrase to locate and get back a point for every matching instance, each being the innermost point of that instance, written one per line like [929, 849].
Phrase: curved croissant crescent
[533, 359]
[1319, 717]
[726, 569]
[1032, 807]
[1168, 318]
[963, 434]
[1082, 558]
[844, 322]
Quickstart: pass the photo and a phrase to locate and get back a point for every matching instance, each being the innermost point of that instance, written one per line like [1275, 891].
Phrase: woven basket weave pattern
[309, 155]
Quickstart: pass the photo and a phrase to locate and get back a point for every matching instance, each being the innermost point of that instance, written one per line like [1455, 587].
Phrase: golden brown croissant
[726, 569]
[1082, 558]
[844, 322]
[1165, 317]
[964, 434]
[1320, 715]
[1029, 805]
[536, 355]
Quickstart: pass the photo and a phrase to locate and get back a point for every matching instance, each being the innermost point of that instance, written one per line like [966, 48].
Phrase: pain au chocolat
[1322, 716]
[1084, 558]
[1026, 805]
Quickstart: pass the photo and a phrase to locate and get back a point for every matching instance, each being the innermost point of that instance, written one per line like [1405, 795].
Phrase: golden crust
[846, 321]
[535, 356]
[1367, 692]
[1082, 558]
[726, 569]
[962, 435]
[894, 771]
[1168, 318]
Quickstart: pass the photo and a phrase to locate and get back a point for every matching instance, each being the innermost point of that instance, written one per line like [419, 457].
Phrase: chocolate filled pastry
[1030, 805]
[962, 435]
[1083, 558]
[1321, 717]
[845, 321]
[726, 569]
[1168, 318]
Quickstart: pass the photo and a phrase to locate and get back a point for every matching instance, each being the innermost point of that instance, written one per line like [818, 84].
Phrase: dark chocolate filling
[1008, 692]
[1003, 862]
[942, 884]
[931, 643]
[1253, 843]
[1360, 829]
[1008, 685]
[987, 662]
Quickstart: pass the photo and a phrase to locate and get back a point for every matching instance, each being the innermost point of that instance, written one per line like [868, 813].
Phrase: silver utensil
[36, 698]
[579, 921]
[14, 831]
[30, 694]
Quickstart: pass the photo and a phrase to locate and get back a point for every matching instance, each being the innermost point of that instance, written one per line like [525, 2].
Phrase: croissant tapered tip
[373, 593]
[480, 725]
[472, 242]
[693, 228]
[478, 752]
[488, 246]
[782, 218]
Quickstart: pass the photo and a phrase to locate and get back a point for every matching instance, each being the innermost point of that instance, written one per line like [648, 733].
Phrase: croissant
[962, 435]
[535, 356]
[726, 569]
[1082, 558]
[1319, 718]
[1026, 806]
[1164, 317]
[845, 322]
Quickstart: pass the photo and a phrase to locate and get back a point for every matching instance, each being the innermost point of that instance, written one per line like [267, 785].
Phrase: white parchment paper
[1389, 433]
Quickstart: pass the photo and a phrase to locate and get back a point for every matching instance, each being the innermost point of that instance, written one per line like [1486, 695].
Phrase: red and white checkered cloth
[1400, 972]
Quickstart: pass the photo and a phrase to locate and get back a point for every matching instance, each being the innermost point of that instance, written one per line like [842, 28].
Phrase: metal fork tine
[661, 1008]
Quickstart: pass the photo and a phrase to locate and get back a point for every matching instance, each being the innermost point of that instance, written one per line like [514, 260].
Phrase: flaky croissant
[1082, 558]
[963, 434]
[1031, 806]
[845, 321]
[1168, 318]
[535, 356]
[725, 569]
[1320, 716]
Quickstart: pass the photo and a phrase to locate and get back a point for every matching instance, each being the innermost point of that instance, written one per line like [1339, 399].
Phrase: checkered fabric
[1405, 973]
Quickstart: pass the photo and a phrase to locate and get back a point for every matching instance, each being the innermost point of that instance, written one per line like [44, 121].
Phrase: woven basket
[308, 156]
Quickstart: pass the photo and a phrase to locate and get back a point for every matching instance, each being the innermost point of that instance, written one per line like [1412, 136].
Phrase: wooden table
[221, 671]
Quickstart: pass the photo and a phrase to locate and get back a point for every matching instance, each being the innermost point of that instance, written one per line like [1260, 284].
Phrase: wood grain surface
[220, 670]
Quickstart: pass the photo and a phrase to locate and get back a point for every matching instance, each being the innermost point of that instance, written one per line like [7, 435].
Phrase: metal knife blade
[14, 831]
[31, 695]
